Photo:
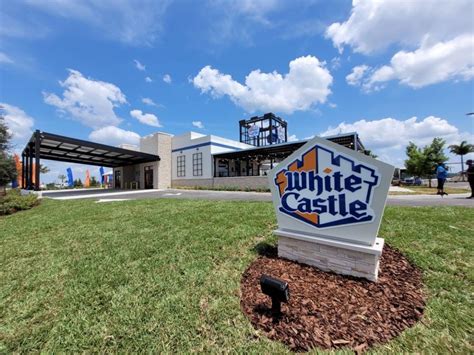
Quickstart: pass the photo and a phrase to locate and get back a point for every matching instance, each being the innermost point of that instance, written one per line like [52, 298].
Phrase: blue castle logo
[326, 189]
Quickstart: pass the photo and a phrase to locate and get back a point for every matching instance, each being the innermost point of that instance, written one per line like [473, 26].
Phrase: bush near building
[14, 201]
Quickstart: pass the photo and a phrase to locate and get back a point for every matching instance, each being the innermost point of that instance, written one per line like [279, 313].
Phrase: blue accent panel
[205, 144]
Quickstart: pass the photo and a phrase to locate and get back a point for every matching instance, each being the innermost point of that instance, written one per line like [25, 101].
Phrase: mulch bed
[330, 311]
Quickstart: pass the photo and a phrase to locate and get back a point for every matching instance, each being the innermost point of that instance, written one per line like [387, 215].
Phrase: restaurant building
[162, 160]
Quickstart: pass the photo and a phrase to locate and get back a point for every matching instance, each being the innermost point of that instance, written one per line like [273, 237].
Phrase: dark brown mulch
[333, 311]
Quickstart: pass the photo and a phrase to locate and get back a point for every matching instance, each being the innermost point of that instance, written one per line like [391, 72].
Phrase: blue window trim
[203, 145]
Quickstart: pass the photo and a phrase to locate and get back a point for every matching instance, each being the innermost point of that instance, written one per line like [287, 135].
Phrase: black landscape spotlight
[278, 291]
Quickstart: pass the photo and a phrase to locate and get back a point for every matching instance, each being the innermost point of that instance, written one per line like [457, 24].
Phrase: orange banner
[18, 169]
[87, 183]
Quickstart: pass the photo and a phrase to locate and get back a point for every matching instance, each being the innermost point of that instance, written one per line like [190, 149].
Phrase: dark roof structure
[72, 150]
[348, 140]
[44, 145]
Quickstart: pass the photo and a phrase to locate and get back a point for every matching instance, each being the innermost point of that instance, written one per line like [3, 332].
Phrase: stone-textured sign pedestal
[331, 255]
[329, 201]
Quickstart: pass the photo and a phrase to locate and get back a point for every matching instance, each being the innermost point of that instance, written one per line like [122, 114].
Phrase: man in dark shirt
[470, 176]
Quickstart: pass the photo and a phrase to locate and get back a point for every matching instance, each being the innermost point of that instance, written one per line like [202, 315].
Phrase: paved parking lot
[111, 195]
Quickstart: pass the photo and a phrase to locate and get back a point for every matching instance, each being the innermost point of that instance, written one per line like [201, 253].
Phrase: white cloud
[292, 138]
[388, 137]
[139, 65]
[198, 124]
[377, 24]
[114, 136]
[436, 40]
[146, 118]
[148, 79]
[19, 124]
[5, 59]
[87, 100]
[452, 60]
[148, 101]
[167, 78]
[306, 84]
[134, 22]
[355, 77]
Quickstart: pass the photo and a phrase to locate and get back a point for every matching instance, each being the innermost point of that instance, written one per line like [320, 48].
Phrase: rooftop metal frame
[49, 146]
[275, 152]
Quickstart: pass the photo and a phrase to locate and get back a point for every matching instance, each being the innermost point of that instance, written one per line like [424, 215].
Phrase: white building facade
[185, 160]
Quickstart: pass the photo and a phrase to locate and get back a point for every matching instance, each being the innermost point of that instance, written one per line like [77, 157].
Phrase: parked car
[412, 181]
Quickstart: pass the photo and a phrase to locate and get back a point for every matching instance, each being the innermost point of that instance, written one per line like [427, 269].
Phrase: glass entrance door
[148, 177]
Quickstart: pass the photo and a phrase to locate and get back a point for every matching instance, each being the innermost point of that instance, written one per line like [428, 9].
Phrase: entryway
[148, 177]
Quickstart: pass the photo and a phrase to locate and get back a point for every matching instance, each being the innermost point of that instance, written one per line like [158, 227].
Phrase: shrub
[14, 201]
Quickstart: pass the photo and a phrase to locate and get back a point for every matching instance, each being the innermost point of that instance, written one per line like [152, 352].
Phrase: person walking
[470, 176]
[441, 174]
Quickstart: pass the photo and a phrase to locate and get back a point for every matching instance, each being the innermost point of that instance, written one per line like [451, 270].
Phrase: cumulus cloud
[114, 136]
[146, 118]
[306, 84]
[355, 77]
[19, 124]
[148, 79]
[139, 65]
[198, 124]
[167, 78]
[452, 60]
[436, 40]
[375, 25]
[388, 137]
[88, 101]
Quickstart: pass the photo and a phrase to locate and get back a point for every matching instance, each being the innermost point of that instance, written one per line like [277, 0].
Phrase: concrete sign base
[331, 255]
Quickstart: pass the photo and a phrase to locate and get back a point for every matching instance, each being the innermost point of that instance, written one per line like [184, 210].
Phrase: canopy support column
[37, 160]
[23, 170]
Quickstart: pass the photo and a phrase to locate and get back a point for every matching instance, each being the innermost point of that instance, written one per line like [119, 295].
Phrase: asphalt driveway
[111, 195]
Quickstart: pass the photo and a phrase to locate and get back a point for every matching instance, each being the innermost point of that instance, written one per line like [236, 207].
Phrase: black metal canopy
[348, 140]
[275, 150]
[44, 145]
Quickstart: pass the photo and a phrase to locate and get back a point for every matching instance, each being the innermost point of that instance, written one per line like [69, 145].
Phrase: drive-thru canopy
[43, 145]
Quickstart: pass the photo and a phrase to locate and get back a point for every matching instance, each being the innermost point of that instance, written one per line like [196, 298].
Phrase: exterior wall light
[277, 290]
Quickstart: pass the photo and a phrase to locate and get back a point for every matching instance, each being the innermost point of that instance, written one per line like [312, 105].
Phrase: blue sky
[110, 71]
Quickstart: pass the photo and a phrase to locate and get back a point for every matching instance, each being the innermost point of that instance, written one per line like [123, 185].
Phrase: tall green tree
[421, 161]
[461, 150]
[8, 171]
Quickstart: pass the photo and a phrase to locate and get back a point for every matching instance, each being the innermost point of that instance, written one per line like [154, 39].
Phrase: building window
[181, 166]
[197, 164]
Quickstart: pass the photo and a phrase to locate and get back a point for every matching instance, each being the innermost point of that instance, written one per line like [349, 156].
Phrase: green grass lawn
[164, 275]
